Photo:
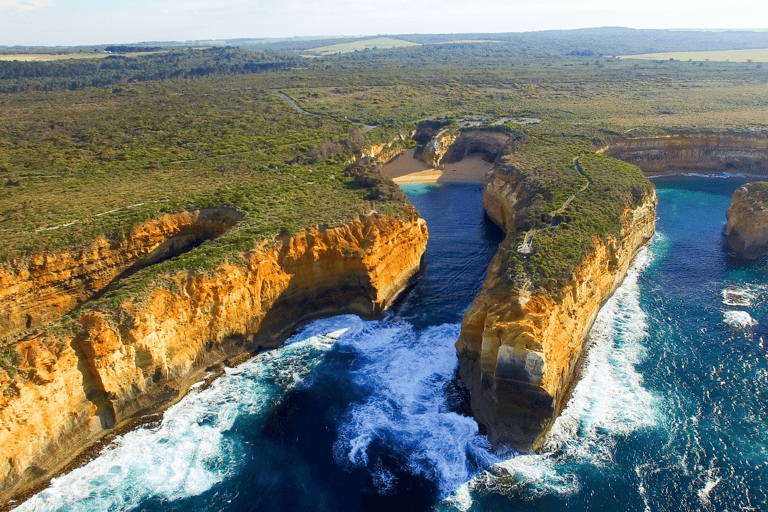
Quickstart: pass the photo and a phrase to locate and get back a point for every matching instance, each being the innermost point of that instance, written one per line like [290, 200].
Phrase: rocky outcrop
[70, 389]
[384, 152]
[488, 143]
[433, 151]
[48, 285]
[747, 230]
[519, 348]
[695, 152]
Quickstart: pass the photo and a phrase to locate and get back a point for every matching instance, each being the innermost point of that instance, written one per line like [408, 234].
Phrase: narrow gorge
[573, 218]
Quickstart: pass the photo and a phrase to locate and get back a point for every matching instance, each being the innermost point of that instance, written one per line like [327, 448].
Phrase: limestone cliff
[435, 149]
[48, 285]
[383, 152]
[519, 347]
[119, 363]
[694, 152]
[747, 228]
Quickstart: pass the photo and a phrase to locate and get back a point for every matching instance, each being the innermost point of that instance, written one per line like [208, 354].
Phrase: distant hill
[586, 41]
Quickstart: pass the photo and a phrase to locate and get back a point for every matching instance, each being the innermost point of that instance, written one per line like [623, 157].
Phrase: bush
[9, 361]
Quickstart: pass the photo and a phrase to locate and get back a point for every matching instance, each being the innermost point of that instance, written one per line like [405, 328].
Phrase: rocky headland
[71, 380]
[747, 229]
[562, 258]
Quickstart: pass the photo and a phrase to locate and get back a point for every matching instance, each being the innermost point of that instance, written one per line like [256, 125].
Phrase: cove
[668, 415]
[670, 409]
[371, 422]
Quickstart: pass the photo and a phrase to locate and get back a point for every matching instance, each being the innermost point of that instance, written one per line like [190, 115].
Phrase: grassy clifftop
[78, 165]
[579, 196]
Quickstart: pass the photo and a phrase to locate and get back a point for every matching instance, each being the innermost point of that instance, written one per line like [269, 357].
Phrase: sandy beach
[405, 169]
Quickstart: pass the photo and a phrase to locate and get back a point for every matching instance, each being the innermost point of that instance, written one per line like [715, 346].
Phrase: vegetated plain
[718, 56]
[91, 148]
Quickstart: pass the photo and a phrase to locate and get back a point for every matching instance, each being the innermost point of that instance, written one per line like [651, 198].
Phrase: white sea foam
[406, 374]
[722, 175]
[708, 486]
[743, 295]
[739, 319]
[608, 401]
[190, 451]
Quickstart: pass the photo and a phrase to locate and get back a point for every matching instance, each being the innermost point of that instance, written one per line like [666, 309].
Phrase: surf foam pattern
[406, 373]
[194, 447]
[609, 401]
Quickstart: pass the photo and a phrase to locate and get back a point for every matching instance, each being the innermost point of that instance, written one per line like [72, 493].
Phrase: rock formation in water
[116, 363]
[520, 344]
[747, 230]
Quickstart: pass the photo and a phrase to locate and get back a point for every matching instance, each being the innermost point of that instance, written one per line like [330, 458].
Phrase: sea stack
[747, 229]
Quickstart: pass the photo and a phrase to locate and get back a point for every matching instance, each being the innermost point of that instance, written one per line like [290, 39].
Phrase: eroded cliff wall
[119, 363]
[747, 229]
[694, 152]
[519, 348]
[49, 285]
[434, 150]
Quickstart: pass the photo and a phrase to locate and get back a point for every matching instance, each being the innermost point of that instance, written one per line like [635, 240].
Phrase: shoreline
[406, 170]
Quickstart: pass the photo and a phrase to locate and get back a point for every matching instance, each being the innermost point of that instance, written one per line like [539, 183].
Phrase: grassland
[50, 57]
[70, 157]
[80, 161]
[358, 46]
[714, 56]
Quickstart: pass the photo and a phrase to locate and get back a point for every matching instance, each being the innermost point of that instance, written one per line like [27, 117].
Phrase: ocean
[669, 413]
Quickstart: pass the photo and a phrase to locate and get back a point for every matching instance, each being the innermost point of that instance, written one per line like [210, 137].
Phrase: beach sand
[405, 169]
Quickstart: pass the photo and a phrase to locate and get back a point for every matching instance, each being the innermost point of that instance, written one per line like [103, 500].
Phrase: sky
[92, 22]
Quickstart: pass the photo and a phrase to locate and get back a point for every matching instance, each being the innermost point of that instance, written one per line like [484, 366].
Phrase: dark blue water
[364, 424]
[669, 414]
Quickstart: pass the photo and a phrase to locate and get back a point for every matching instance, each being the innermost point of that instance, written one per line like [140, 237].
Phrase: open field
[760, 55]
[367, 44]
[46, 57]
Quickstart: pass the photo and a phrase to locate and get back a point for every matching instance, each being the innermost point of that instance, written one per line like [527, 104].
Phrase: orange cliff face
[47, 286]
[518, 349]
[70, 390]
[747, 229]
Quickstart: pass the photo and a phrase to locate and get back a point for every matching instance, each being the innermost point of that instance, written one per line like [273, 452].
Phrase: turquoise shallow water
[669, 414]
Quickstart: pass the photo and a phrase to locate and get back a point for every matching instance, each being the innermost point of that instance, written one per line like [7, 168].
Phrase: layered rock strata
[694, 152]
[432, 152]
[71, 389]
[48, 285]
[519, 348]
[747, 229]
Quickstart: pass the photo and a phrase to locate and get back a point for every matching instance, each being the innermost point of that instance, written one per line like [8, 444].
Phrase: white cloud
[23, 5]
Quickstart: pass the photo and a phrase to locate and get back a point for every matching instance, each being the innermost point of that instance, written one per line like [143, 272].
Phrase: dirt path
[527, 246]
[297, 107]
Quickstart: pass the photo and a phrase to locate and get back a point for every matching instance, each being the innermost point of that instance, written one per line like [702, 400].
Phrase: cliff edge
[70, 386]
[747, 230]
[572, 228]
